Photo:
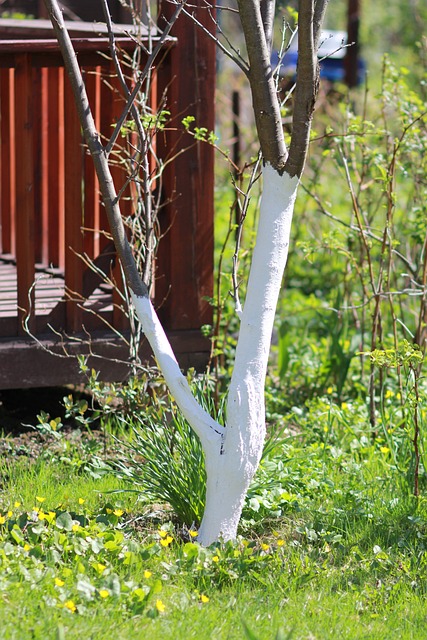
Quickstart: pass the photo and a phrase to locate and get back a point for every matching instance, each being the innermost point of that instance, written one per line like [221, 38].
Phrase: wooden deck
[49, 295]
[51, 215]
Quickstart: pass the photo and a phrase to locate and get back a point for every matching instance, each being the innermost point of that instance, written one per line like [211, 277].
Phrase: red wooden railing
[50, 213]
[50, 210]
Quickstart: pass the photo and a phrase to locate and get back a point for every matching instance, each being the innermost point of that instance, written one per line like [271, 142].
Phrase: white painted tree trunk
[229, 473]
[232, 454]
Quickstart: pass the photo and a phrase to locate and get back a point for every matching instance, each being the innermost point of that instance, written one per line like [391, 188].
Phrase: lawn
[332, 544]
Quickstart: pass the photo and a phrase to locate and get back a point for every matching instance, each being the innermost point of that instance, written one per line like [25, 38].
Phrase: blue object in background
[331, 54]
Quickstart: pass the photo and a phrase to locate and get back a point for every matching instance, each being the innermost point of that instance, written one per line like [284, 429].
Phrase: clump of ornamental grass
[163, 458]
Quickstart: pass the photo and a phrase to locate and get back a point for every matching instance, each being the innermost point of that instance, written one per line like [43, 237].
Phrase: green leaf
[64, 521]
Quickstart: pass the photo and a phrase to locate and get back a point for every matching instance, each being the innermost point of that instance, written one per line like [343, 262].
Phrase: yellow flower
[26, 547]
[163, 533]
[193, 534]
[215, 559]
[344, 406]
[82, 500]
[384, 449]
[42, 515]
[280, 542]
[265, 547]
[104, 593]
[204, 598]
[389, 393]
[40, 499]
[329, 390]
[70, 606]
[118, 512]
[160, 606]
[2, 519]
[100, 568]
[9, 514]
[76, 527]
[17, 504]
[147, 574]
[165, 542]
[59, 582]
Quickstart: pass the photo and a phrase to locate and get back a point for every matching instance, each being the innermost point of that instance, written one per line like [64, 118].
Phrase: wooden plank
[55, 167]
[73, 148]
[112, 104]
[39, 116]
[91, 188]
[29, 365]
[7, 160]
[186, 253]
[24, 190]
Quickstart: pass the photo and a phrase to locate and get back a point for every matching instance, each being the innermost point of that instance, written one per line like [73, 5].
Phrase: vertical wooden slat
[112, 104]
[91, 188]
[39, 116]
[44, 187]
[25, 256]
[7, 160]
[73, 146]
[55, 168]
[186, 252]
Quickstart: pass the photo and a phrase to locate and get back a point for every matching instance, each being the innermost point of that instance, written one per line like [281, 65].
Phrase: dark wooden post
[185, 276]
[352, 56]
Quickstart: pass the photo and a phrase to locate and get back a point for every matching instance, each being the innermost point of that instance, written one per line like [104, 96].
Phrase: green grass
[333, 546]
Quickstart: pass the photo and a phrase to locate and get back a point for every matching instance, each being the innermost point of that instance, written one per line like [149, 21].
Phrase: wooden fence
[51, 214]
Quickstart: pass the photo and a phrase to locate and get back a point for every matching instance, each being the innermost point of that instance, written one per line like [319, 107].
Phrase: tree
[232, 451]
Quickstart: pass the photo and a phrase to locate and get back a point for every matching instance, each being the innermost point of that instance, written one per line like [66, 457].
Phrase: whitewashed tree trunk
[230, 472]
[233, 452]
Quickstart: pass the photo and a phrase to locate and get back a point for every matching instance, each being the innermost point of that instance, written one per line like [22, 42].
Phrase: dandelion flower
[280, 542]
[265, 547]
[104, 593]
[163, 533]
[59, 582]
[193, 534]
[82, 500]
[17, 504]
[215, 559]
[204, 598]
[147, 574]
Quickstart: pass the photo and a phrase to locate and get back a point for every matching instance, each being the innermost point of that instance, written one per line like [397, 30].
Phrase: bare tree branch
[97, 151]
[264, 97]
[319, 14]
[307, 85]
[268, 8]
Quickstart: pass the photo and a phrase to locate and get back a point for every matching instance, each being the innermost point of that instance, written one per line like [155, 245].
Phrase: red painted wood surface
[49, 200]
[25, 244]
[185, 265]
